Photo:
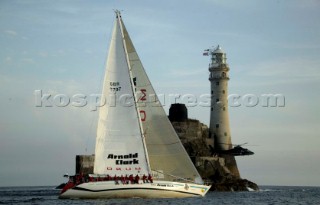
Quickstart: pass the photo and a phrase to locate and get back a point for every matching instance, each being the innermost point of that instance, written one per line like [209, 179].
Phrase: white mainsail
[167, 156]
[119, 145]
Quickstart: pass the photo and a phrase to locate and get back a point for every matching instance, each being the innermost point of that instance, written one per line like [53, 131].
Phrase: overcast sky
[60, 47]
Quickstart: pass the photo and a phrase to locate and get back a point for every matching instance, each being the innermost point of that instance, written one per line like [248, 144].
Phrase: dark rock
[220, 171]
[234, 185]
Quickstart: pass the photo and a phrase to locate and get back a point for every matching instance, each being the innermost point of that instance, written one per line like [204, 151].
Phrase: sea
[268, 195]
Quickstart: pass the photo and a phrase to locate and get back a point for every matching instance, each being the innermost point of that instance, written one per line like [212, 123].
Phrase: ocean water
[267, 195]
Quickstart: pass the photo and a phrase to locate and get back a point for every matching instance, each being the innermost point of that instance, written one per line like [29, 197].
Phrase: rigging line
[166, 144]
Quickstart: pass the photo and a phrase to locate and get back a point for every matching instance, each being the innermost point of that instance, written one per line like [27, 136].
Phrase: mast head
[118, 13]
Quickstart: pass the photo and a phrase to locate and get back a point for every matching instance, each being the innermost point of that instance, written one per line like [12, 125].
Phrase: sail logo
[143, 114]
[121, 169]
[124, 159]
[144, 95]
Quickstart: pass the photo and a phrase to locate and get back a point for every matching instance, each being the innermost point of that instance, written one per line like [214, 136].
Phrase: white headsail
[119, 148]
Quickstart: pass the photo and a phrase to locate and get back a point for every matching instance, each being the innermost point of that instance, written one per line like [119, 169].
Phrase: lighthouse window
[225, 134]
[212, 109]
[224, 108]
[223, 91]
[217, 83]
[217, 100]
[211, 92]
[217, 125]
[223, 74]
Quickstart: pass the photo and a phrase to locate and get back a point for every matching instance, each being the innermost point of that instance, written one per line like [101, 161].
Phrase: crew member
[150, 178]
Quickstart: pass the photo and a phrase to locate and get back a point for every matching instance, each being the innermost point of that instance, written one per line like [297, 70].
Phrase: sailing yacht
[135, 137]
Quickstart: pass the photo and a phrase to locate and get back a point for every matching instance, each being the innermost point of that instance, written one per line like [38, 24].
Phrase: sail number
[143, 114]
[115, 86]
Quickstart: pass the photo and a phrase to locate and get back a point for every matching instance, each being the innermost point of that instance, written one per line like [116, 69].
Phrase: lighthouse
[219, 131]
[219, 116]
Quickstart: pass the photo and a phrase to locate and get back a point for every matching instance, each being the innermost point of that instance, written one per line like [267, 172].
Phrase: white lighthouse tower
[219, 131]
[219, 116]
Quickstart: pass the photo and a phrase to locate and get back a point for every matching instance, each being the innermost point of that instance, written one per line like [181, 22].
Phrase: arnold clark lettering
[122, 159]
[162, 185]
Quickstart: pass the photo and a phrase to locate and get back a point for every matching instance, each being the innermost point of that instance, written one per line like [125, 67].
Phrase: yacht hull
[157, 189]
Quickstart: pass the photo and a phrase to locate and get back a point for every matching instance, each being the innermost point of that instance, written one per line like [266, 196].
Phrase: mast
[118, 16]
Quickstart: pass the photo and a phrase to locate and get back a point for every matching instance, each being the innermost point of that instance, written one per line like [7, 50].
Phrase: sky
[60, 47]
